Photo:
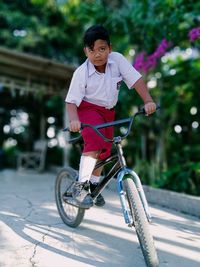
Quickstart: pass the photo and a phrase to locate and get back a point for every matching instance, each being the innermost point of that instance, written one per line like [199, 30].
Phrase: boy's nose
[97, 54]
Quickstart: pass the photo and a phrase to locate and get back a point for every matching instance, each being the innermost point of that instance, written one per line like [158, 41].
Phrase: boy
[91, 99]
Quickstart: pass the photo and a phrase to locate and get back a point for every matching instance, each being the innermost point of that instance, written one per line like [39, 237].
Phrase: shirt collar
[91, 68]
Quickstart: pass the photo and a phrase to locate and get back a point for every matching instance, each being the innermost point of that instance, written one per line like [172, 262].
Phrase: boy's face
[98, 54]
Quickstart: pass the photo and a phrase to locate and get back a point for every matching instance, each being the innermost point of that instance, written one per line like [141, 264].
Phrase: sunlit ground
[32, 232]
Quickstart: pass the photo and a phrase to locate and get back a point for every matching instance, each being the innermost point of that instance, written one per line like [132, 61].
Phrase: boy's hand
[75, 126]
[150, 107]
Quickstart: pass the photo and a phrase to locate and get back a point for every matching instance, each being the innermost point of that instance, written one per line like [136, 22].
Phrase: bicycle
[132, 197]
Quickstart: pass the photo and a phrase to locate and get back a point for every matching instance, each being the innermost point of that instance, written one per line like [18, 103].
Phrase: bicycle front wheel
[71, 215]
[141, 224]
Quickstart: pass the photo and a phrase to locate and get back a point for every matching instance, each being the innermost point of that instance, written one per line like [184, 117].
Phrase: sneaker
[80, 195]
[100, 202]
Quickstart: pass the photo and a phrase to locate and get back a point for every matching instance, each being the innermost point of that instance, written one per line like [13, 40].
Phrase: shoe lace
[80, 186]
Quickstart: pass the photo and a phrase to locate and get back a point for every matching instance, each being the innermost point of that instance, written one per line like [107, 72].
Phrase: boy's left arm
[142, 90]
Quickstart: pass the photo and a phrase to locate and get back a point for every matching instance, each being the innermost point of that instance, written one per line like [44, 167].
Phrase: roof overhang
[28, 73]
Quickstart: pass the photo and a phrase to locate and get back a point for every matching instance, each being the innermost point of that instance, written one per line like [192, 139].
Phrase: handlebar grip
[143, 110]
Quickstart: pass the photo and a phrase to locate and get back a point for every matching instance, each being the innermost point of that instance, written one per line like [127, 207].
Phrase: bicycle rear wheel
[71, 215]
[141, 224]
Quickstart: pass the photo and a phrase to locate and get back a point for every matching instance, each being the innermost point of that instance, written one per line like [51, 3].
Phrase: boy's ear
[85, 51]
[110, 48]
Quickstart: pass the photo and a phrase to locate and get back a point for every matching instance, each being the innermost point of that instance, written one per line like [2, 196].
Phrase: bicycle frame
[120, 169]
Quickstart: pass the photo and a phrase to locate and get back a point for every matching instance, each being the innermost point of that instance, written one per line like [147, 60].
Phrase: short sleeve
[77, 88]
[129, 74]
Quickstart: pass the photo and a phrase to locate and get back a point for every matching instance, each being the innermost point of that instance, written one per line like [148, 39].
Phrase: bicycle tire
[141, 224]
[70, 215]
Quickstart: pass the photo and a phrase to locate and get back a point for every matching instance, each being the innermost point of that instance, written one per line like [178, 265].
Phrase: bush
[182, 178]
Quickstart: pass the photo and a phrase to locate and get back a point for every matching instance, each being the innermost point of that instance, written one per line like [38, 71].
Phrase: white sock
[86, 168]
[95, 179]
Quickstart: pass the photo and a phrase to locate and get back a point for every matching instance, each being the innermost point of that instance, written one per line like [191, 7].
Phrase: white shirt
[101, 89]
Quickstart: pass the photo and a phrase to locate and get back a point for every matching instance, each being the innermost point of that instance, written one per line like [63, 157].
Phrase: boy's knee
[93, 154]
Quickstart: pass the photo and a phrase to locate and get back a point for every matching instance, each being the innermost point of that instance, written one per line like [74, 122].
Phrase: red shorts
[93, 114]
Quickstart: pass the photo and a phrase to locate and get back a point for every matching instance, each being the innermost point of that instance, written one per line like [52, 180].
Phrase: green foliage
[150, 22]
[184, 178]
[55, 30]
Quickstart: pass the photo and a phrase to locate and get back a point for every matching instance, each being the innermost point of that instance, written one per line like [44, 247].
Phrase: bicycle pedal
[69, 200]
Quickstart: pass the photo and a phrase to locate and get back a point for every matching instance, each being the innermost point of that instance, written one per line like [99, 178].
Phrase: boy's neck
[101, 69]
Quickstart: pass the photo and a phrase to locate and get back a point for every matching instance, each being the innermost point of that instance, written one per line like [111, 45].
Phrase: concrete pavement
[33, 235]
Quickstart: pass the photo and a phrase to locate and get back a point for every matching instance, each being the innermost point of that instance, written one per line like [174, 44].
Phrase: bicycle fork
[124, 171]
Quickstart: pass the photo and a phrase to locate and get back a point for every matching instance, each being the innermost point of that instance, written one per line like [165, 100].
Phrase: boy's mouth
[98, 61]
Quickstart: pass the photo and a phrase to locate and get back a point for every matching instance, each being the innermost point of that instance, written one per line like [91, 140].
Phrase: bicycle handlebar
[113, 123]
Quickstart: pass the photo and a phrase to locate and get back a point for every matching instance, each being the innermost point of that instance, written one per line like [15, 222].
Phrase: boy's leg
[94, 181]
[87, 163]
[97, 172]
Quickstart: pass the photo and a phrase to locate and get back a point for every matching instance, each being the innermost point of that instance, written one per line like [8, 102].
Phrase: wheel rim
[66, 209]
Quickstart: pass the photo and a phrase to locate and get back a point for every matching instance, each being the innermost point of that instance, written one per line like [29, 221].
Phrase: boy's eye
[102, 49]
[99, 50]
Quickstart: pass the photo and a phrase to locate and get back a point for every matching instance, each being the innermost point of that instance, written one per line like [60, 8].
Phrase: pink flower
[150, 62]
[139, 61]
[194, 34]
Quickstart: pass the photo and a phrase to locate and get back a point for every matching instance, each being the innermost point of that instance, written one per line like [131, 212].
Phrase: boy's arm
[74, 122]
[143, 92]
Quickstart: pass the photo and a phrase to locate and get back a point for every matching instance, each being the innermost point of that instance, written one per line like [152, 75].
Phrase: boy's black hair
[94, 33]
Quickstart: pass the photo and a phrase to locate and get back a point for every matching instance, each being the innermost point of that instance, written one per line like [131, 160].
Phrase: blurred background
[40, 47]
